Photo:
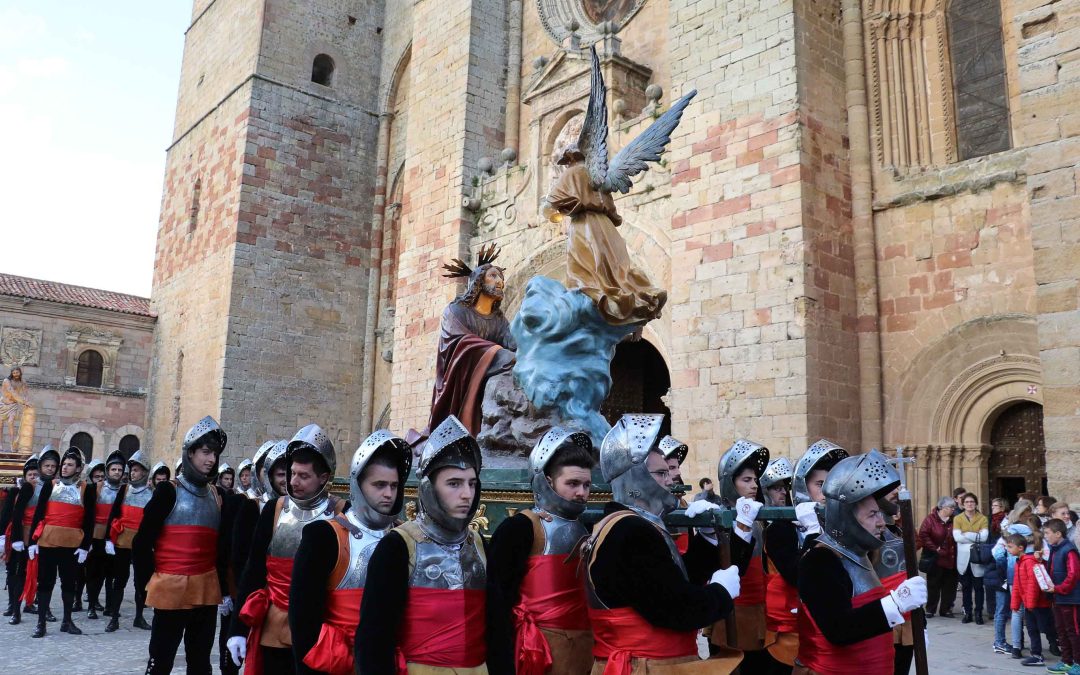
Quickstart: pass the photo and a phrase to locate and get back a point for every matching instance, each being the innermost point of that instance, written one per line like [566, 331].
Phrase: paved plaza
[954, 648]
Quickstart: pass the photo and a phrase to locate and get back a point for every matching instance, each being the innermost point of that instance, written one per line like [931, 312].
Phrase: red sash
[443, 628]
[186, 550]
[892, 582]
[333, 652]
[682, 542]
[253, 613]
[61, 514]
[872, 656]
[551, 597]
[620, 635]
[30, 585]
[781, 598]
[130, 519]
[101, 513]
[752, 585]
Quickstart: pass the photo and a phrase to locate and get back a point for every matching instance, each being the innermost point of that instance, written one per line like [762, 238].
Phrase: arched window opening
[322, 70]
[979, 85]
[85, 443]
[129, 445]
[90, 366]
[639, 380]
[196, 194]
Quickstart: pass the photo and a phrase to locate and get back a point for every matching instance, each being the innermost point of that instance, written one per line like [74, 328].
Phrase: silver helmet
[387, 445]
[777, 471]
[449, 446]
[741, 455]
[821, 455]
[250, 466]
[161, 466]
[31, 464]
[273, 456]
[258, 464]
[556, 439]
[115, 457]
[673, 447]
[206, 431]
[47, 453]
[91, 466]
[312, 438]
[138, 458]
[623, 456]
[223, 469]
[852, 480]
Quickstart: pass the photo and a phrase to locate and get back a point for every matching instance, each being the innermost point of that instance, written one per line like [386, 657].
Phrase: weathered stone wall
[61, 407]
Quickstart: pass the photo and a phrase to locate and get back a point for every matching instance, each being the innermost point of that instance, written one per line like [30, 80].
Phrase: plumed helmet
[276, 454]
[741, 455]
[556, 439]
[31, 464]
[777, 471]
[623, 462]
[852, 480]
[313, 438]
[384, 444]
[821, 455]
[206, 431]
[449, 446]
[673, 447]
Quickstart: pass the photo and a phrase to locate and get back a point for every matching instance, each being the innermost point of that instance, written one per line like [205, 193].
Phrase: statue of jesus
[14, 399]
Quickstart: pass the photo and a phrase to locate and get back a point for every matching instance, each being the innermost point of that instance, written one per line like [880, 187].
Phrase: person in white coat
[970, 528]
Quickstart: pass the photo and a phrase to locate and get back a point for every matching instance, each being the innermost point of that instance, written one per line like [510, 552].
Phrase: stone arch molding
[977, 396]
[95, 433]
[126, 430]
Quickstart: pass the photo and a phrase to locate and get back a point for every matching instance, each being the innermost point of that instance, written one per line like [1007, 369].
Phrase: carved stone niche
[106, 344]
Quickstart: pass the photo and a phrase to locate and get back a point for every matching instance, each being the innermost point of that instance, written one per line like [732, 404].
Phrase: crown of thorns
[458, 268]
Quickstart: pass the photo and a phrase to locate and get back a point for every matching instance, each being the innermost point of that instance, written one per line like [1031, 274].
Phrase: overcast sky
[87, 100]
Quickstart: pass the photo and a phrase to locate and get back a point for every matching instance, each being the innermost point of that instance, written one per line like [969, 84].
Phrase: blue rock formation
[564, 354]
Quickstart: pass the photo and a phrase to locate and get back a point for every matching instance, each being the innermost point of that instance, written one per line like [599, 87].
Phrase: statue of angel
[597, 260]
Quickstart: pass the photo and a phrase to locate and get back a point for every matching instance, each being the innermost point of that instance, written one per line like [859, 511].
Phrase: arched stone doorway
[639, 381]
[1018, 452]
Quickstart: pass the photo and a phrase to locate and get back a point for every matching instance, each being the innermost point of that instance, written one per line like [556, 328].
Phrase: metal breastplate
[107, 494]
[66, 494]
[31, 504]
[862, 578]
[362, 543]
[758, 534]
[291, 522]
[561, 535]
[194, 506]
[138, 497]
[890, 558]
[448, 566]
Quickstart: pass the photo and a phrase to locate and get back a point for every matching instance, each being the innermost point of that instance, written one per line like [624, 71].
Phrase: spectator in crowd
[969, 529]
[1063, 565]
[1005, 558]
[1023, 509]
[999, 507]
[936, 537]
[1042, 507]
[1062, 512]
[957, 493]
[1027, 594]
[706, 493]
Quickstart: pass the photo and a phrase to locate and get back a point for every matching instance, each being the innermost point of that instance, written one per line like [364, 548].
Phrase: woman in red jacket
[935, 535]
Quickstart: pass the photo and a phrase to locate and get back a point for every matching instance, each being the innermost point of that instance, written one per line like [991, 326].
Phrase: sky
[87, 103]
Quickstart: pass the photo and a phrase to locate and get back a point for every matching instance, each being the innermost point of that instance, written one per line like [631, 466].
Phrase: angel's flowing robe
[597, 262]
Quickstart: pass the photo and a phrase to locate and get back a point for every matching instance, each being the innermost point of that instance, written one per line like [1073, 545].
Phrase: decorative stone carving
[586, 20]
[20, 346]
[106, 344]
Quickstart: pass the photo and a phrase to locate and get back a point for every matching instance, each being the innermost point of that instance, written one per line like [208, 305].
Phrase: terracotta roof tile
[37, 289]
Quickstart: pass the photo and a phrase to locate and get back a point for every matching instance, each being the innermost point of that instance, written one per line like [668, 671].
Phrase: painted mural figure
[598, 263]
[474, 344]
[15, 406]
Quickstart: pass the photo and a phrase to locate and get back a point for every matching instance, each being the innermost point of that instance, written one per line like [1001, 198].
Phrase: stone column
[1049, 124]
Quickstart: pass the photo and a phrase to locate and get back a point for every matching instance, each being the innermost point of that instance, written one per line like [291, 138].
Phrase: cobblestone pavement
[954, 648]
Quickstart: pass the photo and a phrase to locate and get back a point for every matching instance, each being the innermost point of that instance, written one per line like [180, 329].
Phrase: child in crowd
[1015, 545]
[1005, 557]
[1064, 567]
[1027, 594]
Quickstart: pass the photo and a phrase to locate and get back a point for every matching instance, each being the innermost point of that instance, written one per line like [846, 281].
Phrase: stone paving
[954, 648]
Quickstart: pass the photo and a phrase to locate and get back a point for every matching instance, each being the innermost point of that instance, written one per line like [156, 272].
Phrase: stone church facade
[868, 221]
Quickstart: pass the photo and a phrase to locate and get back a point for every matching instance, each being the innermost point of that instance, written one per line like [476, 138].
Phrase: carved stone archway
[95, 433]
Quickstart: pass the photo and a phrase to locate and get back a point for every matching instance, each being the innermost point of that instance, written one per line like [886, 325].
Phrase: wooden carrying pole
[918, 618]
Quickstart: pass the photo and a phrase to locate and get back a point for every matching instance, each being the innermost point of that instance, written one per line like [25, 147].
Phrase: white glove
[908, 596]
[746, 511]
[225, 608]
[237, 649]
[729, 579]
[80, 555]
[806, 515]
[32, 551]
[699, 507]
[110, 548]
[18, 546]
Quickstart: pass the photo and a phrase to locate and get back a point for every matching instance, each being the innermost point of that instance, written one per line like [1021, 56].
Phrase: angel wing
[592, 141]
[647, 147]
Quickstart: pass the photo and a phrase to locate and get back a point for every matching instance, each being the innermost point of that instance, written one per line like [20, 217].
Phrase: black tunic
[254, 575]
[314, 563]
[510, 547]
[19, 510]
[782, 548]
[825, 589]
